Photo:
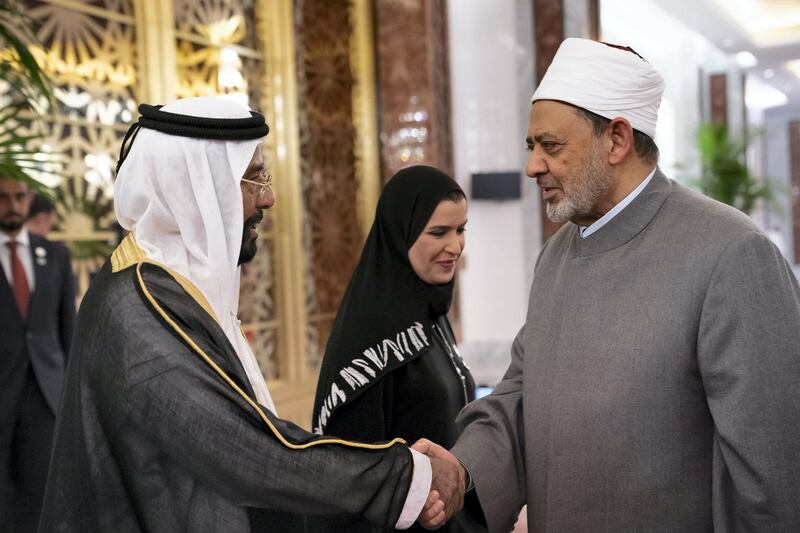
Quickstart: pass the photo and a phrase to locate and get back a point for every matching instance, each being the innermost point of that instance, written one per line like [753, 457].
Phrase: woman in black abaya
[391, 367]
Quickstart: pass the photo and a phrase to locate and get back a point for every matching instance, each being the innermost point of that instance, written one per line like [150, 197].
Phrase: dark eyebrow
[544, 136]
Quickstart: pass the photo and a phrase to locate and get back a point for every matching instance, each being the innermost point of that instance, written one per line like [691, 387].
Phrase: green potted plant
[26, 88]
[725, 176]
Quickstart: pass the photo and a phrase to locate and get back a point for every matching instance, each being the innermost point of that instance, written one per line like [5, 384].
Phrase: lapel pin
[41, 256]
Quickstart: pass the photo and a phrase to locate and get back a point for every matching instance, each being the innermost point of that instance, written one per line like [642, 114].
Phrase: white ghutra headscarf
[181, 197]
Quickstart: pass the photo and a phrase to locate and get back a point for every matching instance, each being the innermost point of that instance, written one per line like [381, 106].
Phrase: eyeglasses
[263, 185]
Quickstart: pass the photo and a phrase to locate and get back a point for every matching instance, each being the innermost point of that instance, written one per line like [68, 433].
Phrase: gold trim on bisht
[128, 254]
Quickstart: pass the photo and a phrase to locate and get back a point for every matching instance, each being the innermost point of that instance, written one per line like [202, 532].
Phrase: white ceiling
[769, 29]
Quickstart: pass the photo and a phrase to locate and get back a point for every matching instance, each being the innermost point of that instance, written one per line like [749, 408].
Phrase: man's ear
[620, 133]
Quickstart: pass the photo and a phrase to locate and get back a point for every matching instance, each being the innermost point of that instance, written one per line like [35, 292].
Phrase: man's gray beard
[590, 183]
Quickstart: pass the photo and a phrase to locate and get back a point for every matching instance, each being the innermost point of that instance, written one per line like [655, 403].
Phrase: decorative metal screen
[331, 236]
[89, 51]
[217, 53]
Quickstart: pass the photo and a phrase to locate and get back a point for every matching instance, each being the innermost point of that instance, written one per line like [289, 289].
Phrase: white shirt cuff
[418, 492]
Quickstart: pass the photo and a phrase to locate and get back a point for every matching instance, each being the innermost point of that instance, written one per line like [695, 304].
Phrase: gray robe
[656, 383]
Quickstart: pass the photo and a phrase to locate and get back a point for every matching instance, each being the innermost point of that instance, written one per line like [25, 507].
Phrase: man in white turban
[167, 423]
[654, 386]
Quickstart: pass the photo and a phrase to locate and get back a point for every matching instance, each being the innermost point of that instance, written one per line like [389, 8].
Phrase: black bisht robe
[158, 431]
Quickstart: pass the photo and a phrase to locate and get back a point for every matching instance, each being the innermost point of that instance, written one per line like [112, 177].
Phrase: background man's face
[568, 162]
[15, 199]
[253, 205]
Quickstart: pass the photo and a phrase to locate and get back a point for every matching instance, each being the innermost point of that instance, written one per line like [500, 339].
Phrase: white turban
[608, 81]
[181, 197]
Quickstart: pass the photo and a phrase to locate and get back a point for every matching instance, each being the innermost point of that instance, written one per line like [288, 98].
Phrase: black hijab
[386, 316]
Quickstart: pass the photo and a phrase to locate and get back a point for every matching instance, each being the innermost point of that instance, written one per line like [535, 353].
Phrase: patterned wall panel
[331, 235]
[548, 18]
[718, 89]
[257, 306]
[89, 50]
[218, 53]
[413, 84]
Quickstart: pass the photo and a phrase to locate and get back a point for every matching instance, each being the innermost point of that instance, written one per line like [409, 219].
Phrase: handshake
[448, 484]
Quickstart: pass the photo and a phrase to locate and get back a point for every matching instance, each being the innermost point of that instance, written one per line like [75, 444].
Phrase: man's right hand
[447, 485]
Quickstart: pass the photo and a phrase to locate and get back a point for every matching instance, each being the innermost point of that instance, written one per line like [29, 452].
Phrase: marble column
[413, 84]
[594, 19]
[548, 19]
[718, 88]
[331, 235]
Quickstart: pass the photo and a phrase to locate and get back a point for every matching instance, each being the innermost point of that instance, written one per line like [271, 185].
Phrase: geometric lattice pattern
[257, 309]
[332, 240]
[89, 51]
[217, 53]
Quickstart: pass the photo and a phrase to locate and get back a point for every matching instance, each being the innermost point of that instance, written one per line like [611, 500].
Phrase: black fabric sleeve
[66, 323]
[195, 421]
[167, 390]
